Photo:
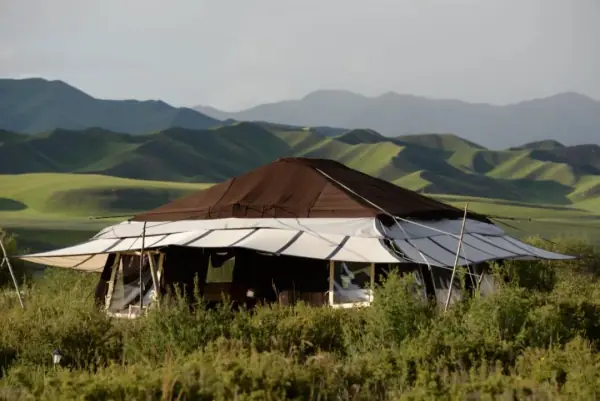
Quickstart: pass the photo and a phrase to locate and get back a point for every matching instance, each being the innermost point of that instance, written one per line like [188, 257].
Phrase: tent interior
[296, 229]
[247, 277]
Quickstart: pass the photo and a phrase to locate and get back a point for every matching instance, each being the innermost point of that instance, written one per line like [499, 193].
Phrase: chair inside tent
[296, 229]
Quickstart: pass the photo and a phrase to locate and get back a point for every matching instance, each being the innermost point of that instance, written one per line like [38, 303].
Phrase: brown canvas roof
[302, 187]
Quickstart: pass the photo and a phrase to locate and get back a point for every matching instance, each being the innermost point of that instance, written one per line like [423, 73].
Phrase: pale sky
[233, 54]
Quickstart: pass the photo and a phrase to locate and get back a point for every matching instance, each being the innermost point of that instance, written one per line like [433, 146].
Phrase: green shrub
[535, 338]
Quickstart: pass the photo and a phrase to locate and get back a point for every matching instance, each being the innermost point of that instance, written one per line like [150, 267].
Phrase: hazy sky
[234, 54]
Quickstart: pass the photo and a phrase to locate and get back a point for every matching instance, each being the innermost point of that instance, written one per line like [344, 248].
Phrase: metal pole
[141, 267]
[460, 238]
[12, 274]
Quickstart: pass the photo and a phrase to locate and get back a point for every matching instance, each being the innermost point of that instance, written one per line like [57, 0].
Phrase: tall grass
[536, 338]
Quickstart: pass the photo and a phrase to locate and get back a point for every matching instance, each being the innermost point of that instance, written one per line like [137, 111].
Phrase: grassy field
[48, 210]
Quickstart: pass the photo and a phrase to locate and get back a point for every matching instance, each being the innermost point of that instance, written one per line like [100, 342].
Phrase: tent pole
[331, 277]
[460, 238]
[118, 264]
[154, 278]
[12, 273]
[141, 267]
[372, 274]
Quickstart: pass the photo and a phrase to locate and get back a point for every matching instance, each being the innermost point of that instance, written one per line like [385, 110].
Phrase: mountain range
[543, 172]
[570, 118]
[37, 105]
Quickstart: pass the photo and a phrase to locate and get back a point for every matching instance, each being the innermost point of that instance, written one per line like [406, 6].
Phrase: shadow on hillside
[11, 205]
[584, 159]
[112, 200]
[530, 191]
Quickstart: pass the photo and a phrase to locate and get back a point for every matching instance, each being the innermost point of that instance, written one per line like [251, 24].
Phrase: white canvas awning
[440, 250]
[91, 255]
[349, 240]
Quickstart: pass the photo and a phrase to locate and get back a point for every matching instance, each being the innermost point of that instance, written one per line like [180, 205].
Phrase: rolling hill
[36, 105]
[569, 118]
[432, 164]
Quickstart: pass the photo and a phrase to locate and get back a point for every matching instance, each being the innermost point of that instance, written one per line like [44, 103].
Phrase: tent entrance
[125, 295]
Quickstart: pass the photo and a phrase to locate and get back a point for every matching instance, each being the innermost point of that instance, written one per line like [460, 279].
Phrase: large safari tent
[295, 229]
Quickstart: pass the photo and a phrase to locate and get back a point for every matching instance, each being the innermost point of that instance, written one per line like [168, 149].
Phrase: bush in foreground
[536, 338]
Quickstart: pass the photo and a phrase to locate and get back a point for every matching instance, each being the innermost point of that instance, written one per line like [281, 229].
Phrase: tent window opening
[219, 275]
[352, 282]
[220, 267]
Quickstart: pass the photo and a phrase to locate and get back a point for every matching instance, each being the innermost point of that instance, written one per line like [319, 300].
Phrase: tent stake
[460, 238]
[6, 260]
[141, 267]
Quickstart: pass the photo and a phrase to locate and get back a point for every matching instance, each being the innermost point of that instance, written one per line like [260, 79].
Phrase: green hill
[74, 173]
[434, 164]
[36, 105]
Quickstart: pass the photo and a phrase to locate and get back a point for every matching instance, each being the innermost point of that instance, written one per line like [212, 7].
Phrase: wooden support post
[6, 260]
[154, 278]
[117, 265]
[460, 238]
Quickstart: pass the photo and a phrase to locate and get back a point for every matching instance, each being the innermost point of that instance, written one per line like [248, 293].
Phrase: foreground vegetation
[536, 338]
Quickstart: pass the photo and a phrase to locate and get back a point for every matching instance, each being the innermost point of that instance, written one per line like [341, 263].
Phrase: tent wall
[184, 271]
[269, 278]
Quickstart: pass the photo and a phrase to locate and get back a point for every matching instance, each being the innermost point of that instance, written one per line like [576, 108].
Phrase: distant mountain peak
[568, 117]
[332, 94]
[571, 96]
[33, 105]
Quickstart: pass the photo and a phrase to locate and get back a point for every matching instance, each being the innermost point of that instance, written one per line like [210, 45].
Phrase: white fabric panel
[500, 242]
[357, 227]
[422, 229]
[220, 238]
[176, 239]
[487, 247]
[541, 253]
[478, 248]
[473, 255]
[432, 250]
[413, 254]
[88, 263]
[135, 244]
[369, 250]
[86, 248]
[268, 240]
[314, 246]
